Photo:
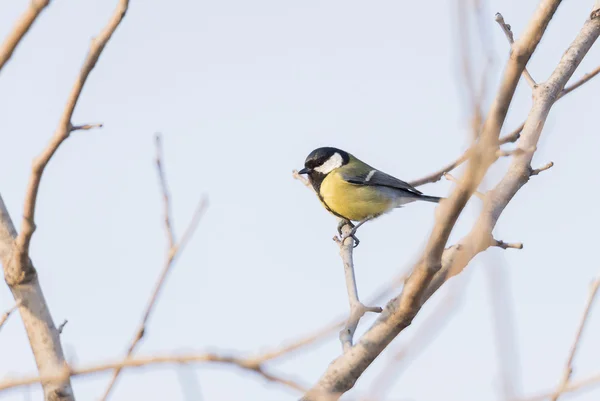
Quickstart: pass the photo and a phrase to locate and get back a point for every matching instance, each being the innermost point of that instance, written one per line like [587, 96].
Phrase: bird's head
[323, 161]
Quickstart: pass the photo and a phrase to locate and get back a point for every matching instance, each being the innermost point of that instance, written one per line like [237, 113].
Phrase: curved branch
[66, 372]
[19, 272]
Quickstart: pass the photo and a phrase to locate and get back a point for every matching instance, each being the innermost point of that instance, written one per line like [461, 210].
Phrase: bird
[353, 190]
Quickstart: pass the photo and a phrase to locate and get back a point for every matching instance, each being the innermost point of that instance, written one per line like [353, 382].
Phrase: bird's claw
[341, 224]
[352, 235]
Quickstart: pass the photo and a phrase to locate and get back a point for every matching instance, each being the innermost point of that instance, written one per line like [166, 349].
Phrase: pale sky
[242, 92]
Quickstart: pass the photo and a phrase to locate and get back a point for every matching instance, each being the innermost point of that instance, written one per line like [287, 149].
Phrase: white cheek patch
[332, 163]
[370, 175]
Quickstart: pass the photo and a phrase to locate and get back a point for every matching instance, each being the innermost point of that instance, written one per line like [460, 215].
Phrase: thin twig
[510, 138]
[175, 248]
[506, 245]
[511, 40]
[568, 371]
[63, 130]
[6, 314]
[153, 360]
[543, 168]
[62, 326]
[302, 179]
[439, 174]
[165, 191]
[86, 127]
[20, 29]
[580, 82]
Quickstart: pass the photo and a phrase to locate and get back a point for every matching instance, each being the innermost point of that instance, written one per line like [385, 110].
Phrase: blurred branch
[511, 40]
[20, 29]
[590, 381]
[174, 249]
[503, 324]
[19, 272]
[425, 334]
[435, 267]
[569, 366]
[66, 372]
[512, 137]
[6, 314]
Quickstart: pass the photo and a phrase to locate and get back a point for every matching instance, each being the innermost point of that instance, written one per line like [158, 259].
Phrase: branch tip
[84, 127]
[545, 167]
[506, 28]
[506, 245]
[62, 326]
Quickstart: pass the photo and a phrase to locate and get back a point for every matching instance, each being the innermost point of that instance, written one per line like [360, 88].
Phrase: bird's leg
[353, 231]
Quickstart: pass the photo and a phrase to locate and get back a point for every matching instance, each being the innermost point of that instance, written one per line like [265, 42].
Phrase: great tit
[354, 191]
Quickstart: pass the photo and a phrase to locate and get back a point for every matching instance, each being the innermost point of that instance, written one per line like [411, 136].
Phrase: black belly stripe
[316, 179]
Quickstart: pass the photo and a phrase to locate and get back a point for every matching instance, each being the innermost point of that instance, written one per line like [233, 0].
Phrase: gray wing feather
[379, 178]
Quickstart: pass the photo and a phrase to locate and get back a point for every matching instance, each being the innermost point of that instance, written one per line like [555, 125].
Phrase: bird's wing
[378, 178]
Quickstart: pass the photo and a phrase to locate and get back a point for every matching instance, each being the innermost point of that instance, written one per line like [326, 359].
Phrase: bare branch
[570, 388]
[511, 40]
[543, 168]
[165, 191]
[63, 130]
[6, 314]
[20, 29]
[510, 138]
[586, 314]
[174, 249]
[357, 308]
[67, 372]
[580, 82]
[436, 176]
[19, 272]
[343, 372]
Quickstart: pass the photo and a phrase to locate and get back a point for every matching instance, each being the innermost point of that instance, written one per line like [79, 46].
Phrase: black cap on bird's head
[324, 160]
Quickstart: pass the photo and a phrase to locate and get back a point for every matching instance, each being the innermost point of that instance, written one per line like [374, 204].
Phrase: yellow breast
[351, 201]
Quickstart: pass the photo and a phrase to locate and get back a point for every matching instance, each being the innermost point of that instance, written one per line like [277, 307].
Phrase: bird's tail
[428, 198]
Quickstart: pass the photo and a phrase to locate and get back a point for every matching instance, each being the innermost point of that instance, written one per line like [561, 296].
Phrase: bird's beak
[304, 171]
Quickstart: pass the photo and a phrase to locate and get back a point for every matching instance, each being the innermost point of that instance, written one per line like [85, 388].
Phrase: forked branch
[173, 250]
